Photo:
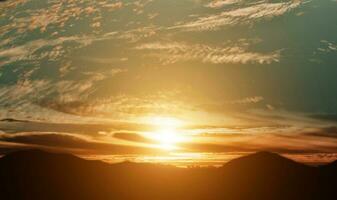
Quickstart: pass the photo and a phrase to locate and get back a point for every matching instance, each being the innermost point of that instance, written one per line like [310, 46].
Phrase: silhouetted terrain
[35, 174]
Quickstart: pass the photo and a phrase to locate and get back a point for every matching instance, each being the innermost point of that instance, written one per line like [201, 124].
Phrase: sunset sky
[176, 81]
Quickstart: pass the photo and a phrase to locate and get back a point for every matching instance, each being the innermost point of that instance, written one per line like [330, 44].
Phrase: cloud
[41, 95]
[246, 15]
[89, 127]
[59, 47]
[47, 139]
[138, 6]
[325, 117]
[133, 137]
[137, 34]
[239, 105]
[57, 14]
[76, 100]
[327, 46]
[71, 142]
[9, 4]
[27, 95]
[324, 132]
[24, 91]
[286, 139]
[221, 3]
[174, 52]
[128, 139]
[117, 107]
[113, 6]
[249, 100]
[313, 158]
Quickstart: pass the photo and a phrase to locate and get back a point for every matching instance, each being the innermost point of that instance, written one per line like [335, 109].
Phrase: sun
[167, 139]
[166, 132]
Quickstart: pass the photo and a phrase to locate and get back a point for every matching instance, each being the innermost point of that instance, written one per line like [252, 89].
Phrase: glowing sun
[167, 139]
[166, 133]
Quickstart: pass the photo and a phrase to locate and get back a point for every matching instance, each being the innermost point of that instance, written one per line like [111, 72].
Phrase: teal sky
[232, 76]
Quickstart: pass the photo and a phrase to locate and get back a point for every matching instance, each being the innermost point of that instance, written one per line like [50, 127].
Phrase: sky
[188, 81]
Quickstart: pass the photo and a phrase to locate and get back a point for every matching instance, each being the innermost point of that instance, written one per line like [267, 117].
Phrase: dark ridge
[263, 158]
[330, 166]
[38, 155]
[333, 164]
[40, 175]
[265, 174]
[266, 164]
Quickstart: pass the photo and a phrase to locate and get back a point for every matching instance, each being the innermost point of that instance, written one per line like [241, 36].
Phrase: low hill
[35, 174]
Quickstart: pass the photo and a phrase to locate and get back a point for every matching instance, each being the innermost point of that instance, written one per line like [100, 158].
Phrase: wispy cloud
[248, 100]
[34, 50]
[221, 3]
[174, 52]
[246, 15]
[73, 143]
[58, 13]
[327, 46]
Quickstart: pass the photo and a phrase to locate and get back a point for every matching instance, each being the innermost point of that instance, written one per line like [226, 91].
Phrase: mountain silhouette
[36, 174]
[266, 175]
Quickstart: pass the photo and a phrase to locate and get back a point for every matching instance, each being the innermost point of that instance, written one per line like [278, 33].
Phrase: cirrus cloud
[170, 53]
[242, 15]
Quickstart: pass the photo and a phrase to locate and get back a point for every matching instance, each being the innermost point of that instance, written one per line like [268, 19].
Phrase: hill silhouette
[35, 174]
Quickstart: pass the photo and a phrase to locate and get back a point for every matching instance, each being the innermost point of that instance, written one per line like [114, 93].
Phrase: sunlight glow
[166, 134]
[167, 139]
